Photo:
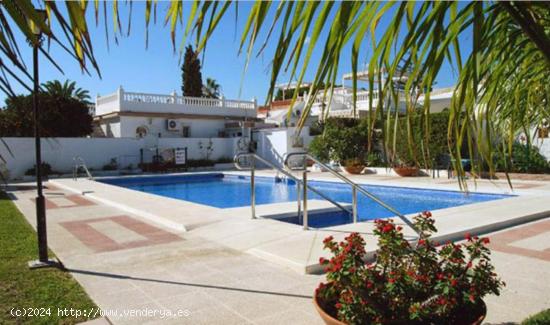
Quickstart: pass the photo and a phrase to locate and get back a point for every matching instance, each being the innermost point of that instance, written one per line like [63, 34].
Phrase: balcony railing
[122, 96]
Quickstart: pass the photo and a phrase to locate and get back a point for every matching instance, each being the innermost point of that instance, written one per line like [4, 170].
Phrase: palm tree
[66, 90]
[502, 82]
[212, 89]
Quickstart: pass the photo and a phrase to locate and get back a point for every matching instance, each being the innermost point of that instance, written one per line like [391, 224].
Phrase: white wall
[97, 152]
[111, 128]
[273, 144]
[544, 146]
[59, 152]
[222, 147]
[198, 128]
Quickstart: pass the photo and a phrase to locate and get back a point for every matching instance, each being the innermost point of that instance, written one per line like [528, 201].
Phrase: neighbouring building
[341, 103]
[129, 115]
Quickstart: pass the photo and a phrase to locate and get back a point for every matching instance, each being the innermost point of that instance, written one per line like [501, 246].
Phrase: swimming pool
[228, 191]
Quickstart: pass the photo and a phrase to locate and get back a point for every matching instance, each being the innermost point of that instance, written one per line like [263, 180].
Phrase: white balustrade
[184, 100]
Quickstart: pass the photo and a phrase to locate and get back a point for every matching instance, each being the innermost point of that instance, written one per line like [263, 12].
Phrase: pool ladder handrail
[78, 163]
[299, 183]
[354, 186]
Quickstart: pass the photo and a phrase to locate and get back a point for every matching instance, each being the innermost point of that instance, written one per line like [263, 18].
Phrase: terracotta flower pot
[354, 169]
[406, 171]
[329, 320]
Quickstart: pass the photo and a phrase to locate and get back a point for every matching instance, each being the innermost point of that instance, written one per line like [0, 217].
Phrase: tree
[211, 89]
[62, 114]
[191, 76]
[67, 90]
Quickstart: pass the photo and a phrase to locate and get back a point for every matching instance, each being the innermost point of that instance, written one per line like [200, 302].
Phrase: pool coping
[287, 244]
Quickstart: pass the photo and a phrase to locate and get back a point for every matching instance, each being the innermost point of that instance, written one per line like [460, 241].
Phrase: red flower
[391, 280]
[338, 305]
[328, 239]
[440, 276]
[427, 214]
[454, 282]
[468, 236]
[323, 261]
[387, 228]
[421, 242]
[469, 265]
[485, 240]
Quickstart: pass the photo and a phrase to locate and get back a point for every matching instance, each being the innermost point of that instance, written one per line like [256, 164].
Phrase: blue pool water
[229, 191]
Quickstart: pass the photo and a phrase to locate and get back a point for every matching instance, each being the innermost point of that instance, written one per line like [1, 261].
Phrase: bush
[437, 145]
[542, 318]
[342, 139]
[406, 284]
[525, 159]
[112, 165]
[46, 170]
[200, 163]
[224, 160]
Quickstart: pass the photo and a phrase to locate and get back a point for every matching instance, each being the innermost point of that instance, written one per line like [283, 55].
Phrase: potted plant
[406, 170]
[407, 283]
[354, 166]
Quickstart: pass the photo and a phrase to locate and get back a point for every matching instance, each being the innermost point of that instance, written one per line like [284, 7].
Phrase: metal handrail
[355, 188]
[299, 183]
[79, 162]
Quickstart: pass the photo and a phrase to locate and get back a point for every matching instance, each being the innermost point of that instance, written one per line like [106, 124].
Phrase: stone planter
[406, 171]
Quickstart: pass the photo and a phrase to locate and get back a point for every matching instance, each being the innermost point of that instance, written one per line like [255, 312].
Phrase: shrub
[542, 318]
[200, 163]
[112, 165]
[437, 146]
[224, 160]
[342, 139]
[406, 284]
[46, 170]
[525, 159]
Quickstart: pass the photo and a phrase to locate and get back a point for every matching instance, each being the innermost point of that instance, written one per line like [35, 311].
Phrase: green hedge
[341, 139]
[525, 159]
[436, 146]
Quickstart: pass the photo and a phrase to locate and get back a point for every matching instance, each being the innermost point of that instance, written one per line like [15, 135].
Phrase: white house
[341, 102]
[129, 115]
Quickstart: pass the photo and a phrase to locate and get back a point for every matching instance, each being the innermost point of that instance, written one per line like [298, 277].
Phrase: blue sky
[157, 69]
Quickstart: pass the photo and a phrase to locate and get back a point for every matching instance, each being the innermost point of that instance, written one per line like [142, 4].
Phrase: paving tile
[291, 316]
[192, 302]
[250, 305]
[101, 242]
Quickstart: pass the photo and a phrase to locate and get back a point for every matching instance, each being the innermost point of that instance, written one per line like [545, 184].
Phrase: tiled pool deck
[213, 271]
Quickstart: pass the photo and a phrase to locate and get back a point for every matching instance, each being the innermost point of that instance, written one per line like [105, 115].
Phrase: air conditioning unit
[172, 125]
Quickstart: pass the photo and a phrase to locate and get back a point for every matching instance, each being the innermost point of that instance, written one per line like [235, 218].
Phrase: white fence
[97, 152]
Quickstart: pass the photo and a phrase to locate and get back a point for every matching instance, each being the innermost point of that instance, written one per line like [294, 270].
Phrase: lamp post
[43, 260]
